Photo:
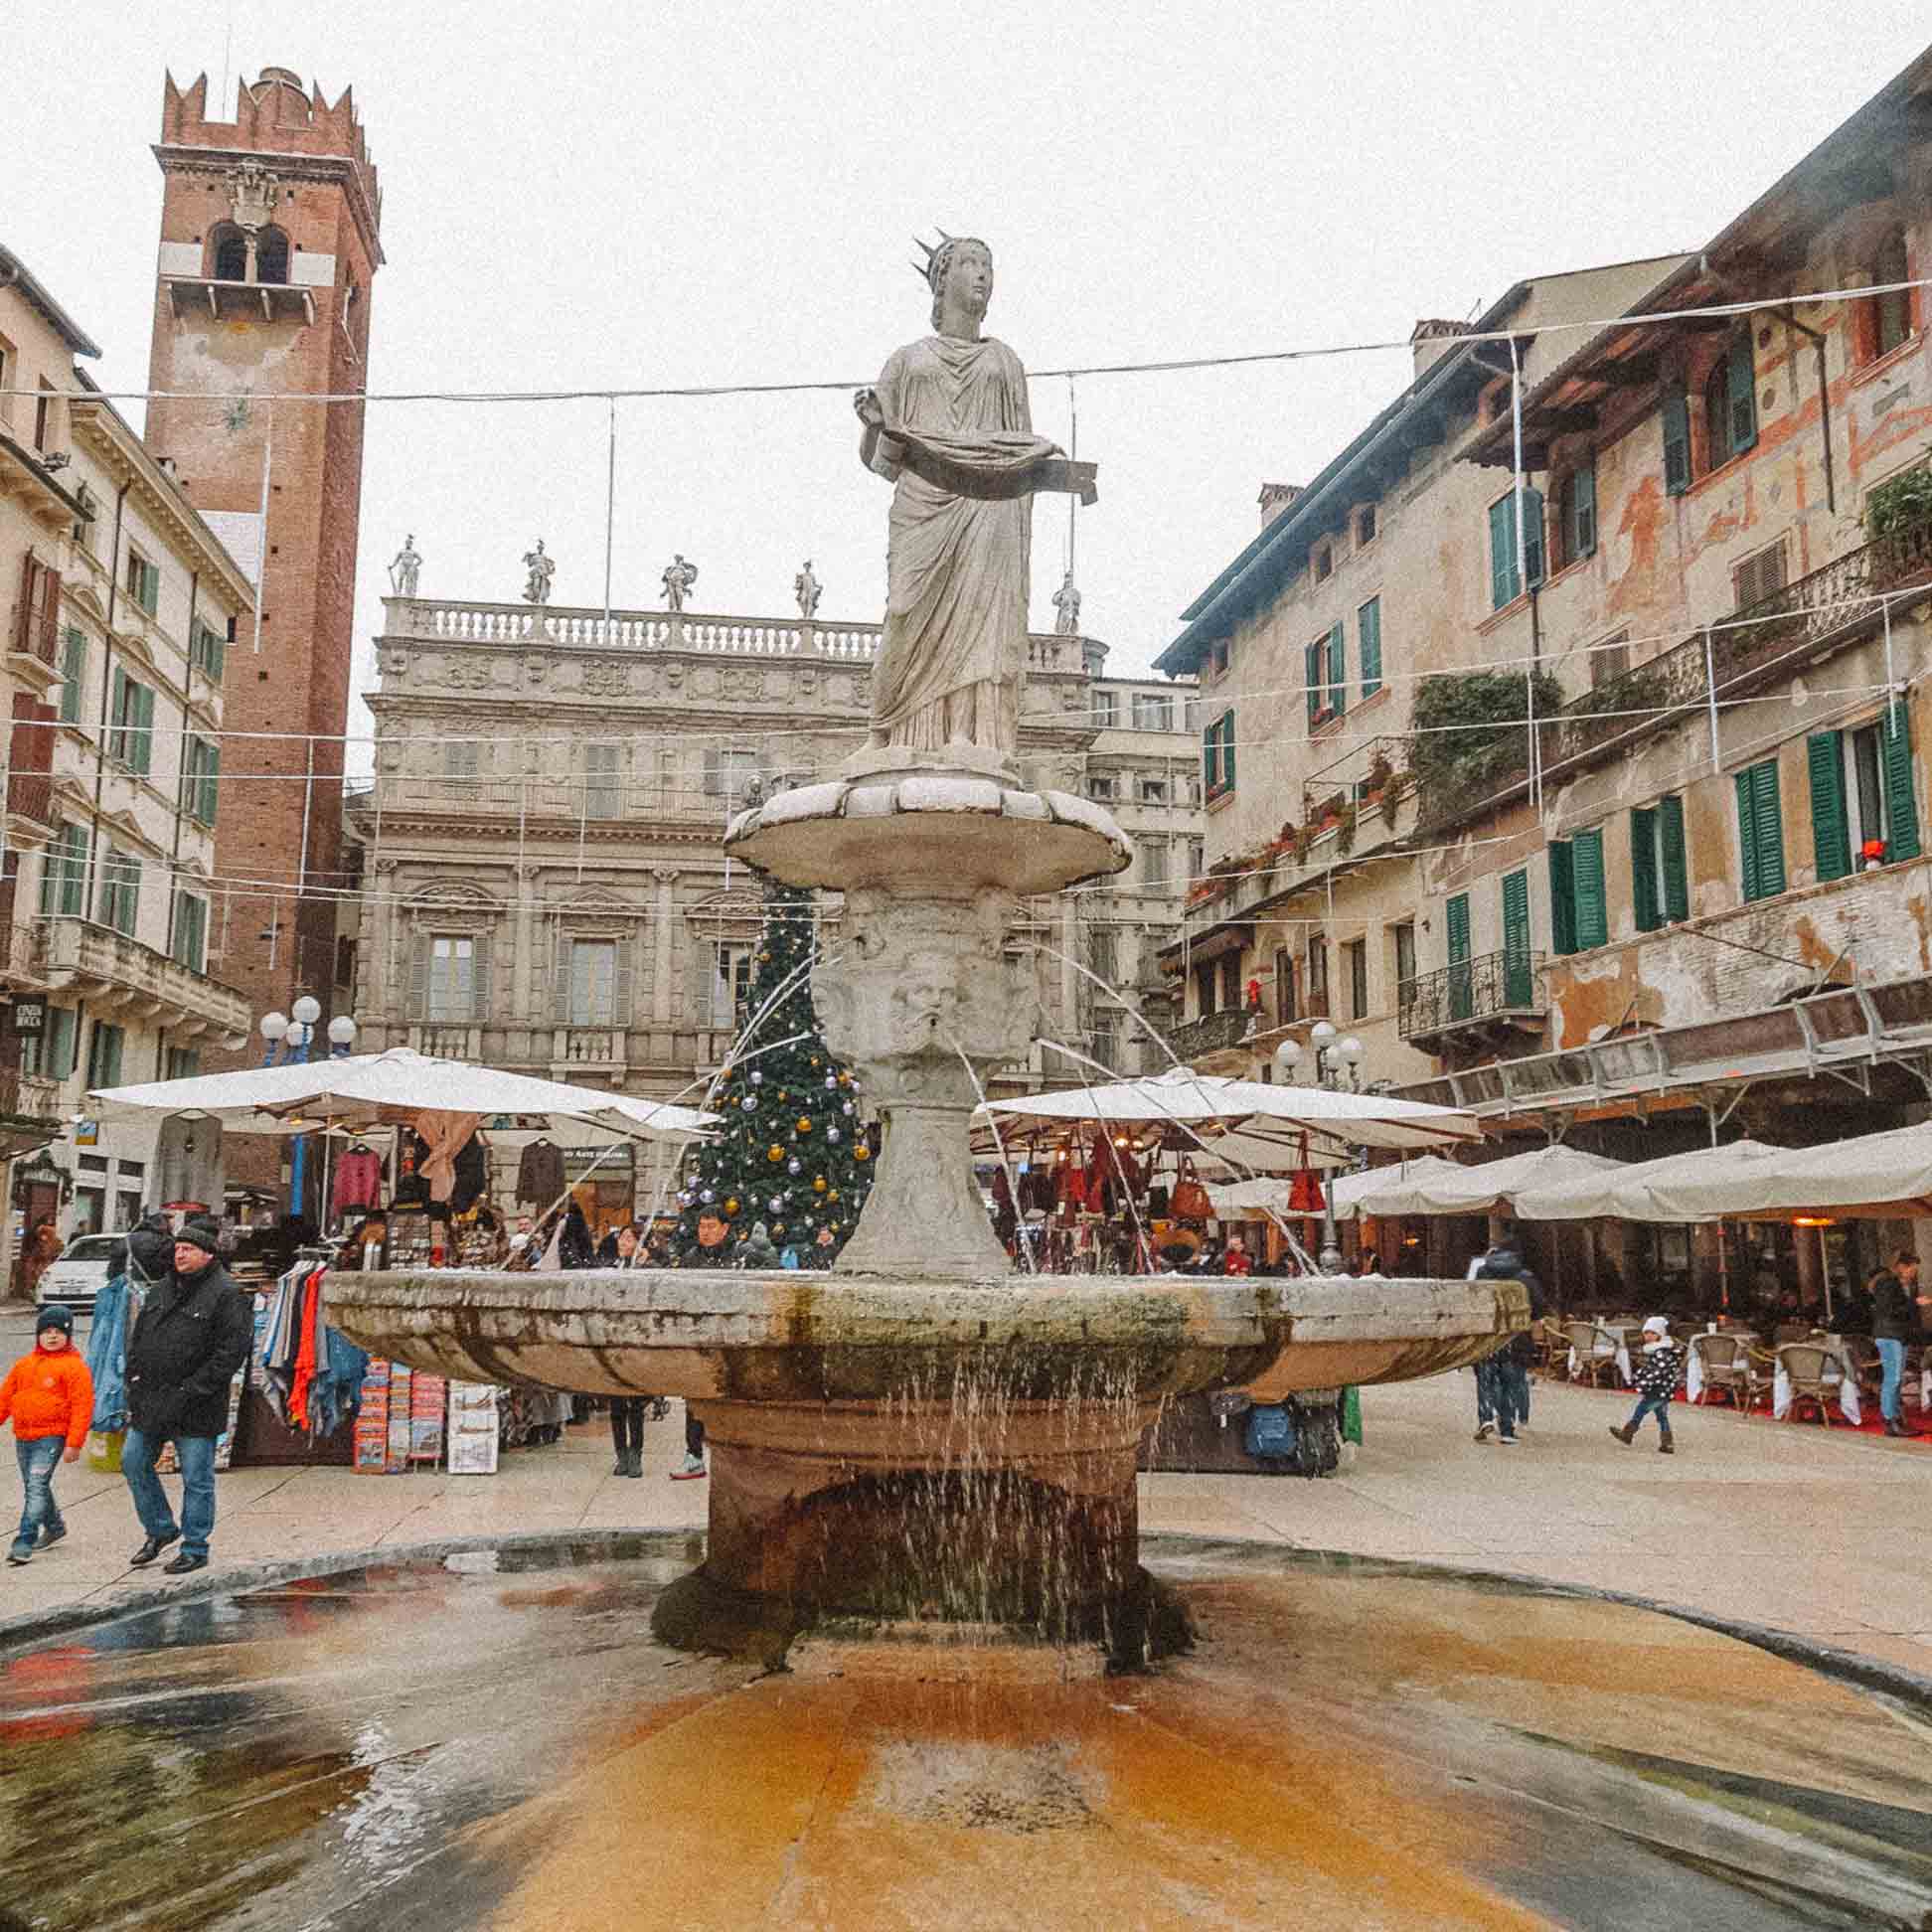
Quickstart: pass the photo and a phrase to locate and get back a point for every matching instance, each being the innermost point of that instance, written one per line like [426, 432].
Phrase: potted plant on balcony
[1380, 772]
[1345, 836]
[1872, 851]
[1330, 811]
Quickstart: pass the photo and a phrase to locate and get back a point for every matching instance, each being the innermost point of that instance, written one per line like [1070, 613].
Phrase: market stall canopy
[1270, 1119]
[1875, 1177]
[1446, 1188]
[1639, 1191]
[1346, 1189]
[371, 1090]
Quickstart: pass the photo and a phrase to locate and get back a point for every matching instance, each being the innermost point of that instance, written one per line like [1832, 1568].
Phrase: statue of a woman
[948, 424]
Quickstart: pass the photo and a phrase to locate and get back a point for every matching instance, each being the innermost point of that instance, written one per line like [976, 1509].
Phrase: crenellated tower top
[275, 116]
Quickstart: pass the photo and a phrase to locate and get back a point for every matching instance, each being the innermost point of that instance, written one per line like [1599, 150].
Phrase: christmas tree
[792, 1151]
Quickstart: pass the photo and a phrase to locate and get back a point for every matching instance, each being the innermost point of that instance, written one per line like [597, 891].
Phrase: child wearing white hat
[1657, 1379]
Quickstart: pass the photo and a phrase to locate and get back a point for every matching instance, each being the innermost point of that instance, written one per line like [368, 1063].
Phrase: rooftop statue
[405, 567]
[540, 568]
[947, 423]
[678, 578]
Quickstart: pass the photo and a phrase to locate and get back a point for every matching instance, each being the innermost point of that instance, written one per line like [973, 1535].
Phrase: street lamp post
[287, 1041]
[1335, 1064]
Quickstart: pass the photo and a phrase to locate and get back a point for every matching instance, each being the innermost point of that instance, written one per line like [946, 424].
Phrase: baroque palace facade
[544, 886]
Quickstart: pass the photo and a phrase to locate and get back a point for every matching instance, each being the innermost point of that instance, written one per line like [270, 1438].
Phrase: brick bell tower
[269, 243]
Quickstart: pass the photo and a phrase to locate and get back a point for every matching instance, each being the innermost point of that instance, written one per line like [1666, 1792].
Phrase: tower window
[231, 254]
[272, 257]
[230, 250]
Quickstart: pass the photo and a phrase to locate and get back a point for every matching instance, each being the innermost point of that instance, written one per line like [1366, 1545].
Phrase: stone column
[666, 933]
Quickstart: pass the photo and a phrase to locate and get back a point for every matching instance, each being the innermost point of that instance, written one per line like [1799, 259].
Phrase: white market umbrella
[1346, 1190]
[1443, 1188]
[1643, 1190]
[1270, 1116]
[1886, 1176]
[375, 1088]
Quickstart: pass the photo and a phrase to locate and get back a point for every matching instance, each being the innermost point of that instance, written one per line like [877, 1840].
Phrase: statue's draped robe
[958, 442]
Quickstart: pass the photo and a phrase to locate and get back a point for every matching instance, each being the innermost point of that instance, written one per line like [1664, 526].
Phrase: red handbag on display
[1191, 1201]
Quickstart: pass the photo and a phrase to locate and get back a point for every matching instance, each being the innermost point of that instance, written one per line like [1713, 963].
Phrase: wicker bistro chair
[1725, 1361]
[1813, 1369]
[1592, 1353]
[1550, 1347]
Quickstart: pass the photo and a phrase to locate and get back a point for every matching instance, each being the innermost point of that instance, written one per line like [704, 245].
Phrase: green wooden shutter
[1760, 830]
[1902, 803]
[1740, 388]
[1676, 874]
[1209, 761]
[1677, 443]
[210, 783]
[1592, 909]
[74, 672]
[1227, 750]
[1501, 535]
[1516, 939]
[1338, 670]
[117, 703]
[1643, 869]
[420, 977]
[1562, 897]
[1455, 923]
[140, 753]
[1584, 512]
[1533, 535]
[1830, 833]
[1314, 677]
[63, 1036]
[1369, 638]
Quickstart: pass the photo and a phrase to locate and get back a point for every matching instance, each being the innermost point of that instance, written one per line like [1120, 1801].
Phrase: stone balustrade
[118, 971]
[558, 626]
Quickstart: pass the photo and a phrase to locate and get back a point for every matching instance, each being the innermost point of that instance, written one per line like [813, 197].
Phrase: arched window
[272, 257]
[228, 257]
[1891, 315]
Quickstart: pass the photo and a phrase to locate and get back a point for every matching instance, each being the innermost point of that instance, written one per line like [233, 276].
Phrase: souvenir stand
[406, 1174]
[1141, 1147]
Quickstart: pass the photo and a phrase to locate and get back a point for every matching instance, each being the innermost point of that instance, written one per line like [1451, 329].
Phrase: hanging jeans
[196, 1456]
[1892, 1360]
[38, 1457]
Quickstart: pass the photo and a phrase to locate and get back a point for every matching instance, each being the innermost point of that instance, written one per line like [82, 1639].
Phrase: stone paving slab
[1825, 1534]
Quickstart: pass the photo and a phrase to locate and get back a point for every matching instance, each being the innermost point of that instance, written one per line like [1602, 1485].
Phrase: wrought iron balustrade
[1212, 1031]
[1492, 987]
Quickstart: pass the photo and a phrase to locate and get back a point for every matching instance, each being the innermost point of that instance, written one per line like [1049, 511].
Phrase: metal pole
[296, 1162]
[610, 510]
[1522, 570]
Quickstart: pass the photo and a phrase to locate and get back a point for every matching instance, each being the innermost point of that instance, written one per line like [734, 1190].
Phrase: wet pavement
[494, 1739]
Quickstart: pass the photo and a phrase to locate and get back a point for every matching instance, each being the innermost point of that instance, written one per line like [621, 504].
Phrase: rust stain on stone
[1812, 949]
[1608, 1001]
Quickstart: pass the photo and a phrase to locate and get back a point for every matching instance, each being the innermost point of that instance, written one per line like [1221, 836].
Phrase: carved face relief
[536, 667]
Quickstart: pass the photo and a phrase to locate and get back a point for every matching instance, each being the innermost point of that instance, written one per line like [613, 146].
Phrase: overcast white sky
[587, 194]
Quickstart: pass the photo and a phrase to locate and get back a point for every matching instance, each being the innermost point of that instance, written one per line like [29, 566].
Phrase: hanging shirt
[540, 1174]
[358, 1182]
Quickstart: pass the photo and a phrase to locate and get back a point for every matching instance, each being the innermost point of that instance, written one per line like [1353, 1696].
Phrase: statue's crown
[931, 250]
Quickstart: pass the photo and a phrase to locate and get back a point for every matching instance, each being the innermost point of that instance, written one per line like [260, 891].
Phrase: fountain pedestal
[923, 997]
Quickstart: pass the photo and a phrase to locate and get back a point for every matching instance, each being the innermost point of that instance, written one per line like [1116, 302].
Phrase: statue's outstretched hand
[866, 402]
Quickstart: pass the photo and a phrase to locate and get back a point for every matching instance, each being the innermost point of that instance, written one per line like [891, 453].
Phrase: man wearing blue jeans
[194, 1332]
[1895, 1321]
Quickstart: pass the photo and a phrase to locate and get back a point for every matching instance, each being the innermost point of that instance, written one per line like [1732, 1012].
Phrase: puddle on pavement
[495, 1742]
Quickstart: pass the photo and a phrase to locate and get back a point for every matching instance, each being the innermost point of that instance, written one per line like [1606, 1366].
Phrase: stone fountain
[922, 1432]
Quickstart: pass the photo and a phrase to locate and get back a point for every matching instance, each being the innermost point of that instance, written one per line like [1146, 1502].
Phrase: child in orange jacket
[49, 1396]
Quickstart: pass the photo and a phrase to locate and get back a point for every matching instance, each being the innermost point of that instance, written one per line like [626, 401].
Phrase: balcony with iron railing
[121, 973]
[1496, 994]
[1212, 1032]
[1722, 664]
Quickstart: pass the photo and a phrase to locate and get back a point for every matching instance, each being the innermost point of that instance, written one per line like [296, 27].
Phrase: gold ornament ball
[833, 1195]
[862, 1152]
[818, 1184]
[731, 1207]
[774, 1152]
[804, 1123]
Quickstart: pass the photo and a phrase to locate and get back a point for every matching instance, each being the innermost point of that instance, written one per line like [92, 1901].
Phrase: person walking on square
[1657, 1378]
[1503, 1378]
[49, 1396]
[1895, 1322]
[194, 1332]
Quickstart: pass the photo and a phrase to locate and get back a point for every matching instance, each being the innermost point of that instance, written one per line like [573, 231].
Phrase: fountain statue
[921, 1432]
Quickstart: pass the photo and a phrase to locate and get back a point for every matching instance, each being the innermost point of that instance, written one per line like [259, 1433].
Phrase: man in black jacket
[194, 1332]
[1895, 1304]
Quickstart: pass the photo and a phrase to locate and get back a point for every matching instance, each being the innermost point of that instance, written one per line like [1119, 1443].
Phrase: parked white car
[81, 1272]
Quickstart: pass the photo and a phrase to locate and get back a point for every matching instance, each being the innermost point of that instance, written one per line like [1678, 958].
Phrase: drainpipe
[1824, 402]
[180, 790]
[106, 687]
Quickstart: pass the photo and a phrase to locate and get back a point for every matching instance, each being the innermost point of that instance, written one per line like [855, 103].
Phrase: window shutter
[420, 977]
[1677, 875]
[1227, 750]
[1902, 803]
[562, 976]
[1456, 922]
[1314, 677]
[1643, 869]
[73, 673]
[1338, 670]
[1677, 443]
[1209, 747]
[1516, 938]
[1503, 572]
[211, 782]
[620, 1016]
[1760, 828]
[62, 1037]
[116, 705]
[1533, 535]
[1368, 633]
[142, 750]
[1586, 871]
[1741, 387]
[480, 977]
[1562, 897]
[24, 615]
[1831, 834]
[1747, 845]
[1584, 484]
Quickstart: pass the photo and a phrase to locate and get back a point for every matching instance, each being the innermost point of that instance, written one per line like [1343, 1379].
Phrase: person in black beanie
[194, 1332]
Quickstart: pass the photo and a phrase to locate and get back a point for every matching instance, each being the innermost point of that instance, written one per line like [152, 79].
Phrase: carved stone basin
[900, 1447]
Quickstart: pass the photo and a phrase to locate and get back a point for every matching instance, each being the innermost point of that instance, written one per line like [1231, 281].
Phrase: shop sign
[86, 1133]
[30, 1016]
